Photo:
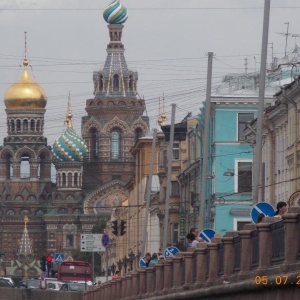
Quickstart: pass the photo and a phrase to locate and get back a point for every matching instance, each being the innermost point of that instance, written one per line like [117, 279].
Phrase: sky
[166, 41]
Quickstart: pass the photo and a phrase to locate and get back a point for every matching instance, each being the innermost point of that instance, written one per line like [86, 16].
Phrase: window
[244, 177]
[94, 143]
[115, 144]
[175, 151]
[243, 120]
[69, 240]
[175, 188]
[138, 134]
[116, 82]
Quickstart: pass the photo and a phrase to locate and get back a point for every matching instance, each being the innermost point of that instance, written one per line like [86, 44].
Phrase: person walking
[195, 231]
[191, 239]
[281, 209]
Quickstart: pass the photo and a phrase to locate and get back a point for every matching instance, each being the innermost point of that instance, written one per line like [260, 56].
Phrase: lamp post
[120, 264]
[131, 256]
[113, 268]
[125, 261]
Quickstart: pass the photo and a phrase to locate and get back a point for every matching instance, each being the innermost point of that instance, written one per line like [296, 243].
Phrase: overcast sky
[166, 41]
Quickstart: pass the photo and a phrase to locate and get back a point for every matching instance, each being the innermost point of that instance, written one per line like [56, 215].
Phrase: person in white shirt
[196, 233]
[191, 240]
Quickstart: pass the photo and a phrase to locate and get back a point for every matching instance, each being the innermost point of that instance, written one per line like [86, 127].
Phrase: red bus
[79, 271]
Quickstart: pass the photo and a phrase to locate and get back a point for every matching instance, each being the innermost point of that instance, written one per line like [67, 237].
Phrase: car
[6, 283]
[9, 280]
[73, 286]
[53, 284]
[29, 284]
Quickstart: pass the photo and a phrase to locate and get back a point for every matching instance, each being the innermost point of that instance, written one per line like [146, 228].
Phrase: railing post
[177, 273]
[159, 282]
[105, 290]
[149, 280]
[135, 285]
[189, 261]
[128, 291]
[142, 282]
[124, 286]
[202, 264]
[108, 288]
[113, 290]
[214, 260]
[119, 288]
[229, 254]
[292, 246]
[168, 276]
[265, 245]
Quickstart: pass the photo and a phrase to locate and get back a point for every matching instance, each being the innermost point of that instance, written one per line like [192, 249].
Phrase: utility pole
[261, 100]
[168, 192]
[148, 193]
[205, 143]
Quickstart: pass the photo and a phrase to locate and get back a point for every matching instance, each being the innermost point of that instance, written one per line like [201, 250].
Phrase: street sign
[262, 208]
[59, 258]
[91, 243]
[105, 240]
[171, 251]
[142, 262]
[207, 234]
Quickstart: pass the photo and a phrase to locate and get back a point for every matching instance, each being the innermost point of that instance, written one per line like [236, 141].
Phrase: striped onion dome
[69, 147]
[115, 13]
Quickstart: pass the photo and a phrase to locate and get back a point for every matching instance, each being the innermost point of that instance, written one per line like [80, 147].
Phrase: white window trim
[236, 177]
[236, 220]
[237, 123]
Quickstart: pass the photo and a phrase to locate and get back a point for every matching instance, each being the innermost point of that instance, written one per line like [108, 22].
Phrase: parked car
[29, 284]
[9, 280]
[73, 286]
[6, 283]
[53, 284]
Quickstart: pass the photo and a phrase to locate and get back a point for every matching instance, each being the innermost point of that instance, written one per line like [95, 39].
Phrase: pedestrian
[117, 275]
[192, 242]
[281, 209]
[195, 231]
[154, 259]
[147, 259]
[99, 283]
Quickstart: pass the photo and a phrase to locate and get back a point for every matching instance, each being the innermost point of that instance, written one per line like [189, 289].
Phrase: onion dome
[115, 13]
[25, 94]
[69, 147]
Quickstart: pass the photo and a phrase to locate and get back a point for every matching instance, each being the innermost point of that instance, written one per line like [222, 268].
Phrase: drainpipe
[295, 137]
[271, 164]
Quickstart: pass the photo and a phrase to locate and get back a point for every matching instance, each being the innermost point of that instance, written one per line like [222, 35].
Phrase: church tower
[114, 121]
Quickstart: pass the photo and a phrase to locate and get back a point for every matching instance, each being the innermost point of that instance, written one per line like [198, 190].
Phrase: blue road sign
[170, 251]
[262, 208]
[142, 262]
[207, 234]
[59, 258]
[105, 240]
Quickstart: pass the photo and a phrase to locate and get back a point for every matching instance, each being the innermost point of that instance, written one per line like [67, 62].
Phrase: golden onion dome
[25, 93]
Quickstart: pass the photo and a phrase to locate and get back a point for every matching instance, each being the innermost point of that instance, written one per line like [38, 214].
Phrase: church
[92, 169]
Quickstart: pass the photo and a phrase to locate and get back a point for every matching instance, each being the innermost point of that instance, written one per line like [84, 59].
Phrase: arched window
[94, 145]
[25, 125]
[12, 124]
[76, 179]
[116, 82]
[38, 126]
[18, 125]
[138, 134]
[8, 167]
[32, 125]
[64, 179]
[131, 83]
[115, 144]
[25, 166]
[101, 83]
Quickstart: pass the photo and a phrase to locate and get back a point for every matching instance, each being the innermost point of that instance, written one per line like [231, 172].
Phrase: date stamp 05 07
[277, 280]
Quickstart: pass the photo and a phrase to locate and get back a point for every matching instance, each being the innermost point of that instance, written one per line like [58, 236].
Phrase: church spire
[25, 245]
[69, 116]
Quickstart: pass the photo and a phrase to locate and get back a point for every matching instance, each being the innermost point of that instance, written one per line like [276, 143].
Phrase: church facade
[92, 171]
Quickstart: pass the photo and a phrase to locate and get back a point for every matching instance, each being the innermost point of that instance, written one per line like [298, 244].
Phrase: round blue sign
[142, 262]
[105, 240]
[262, 208]
[207, 234]
[171, 251]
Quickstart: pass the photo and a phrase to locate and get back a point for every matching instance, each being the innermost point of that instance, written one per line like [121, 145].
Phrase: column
[189, 265]
[177, 273]
[142, 281]
[201, 264]
[159, 281]
[168, 276]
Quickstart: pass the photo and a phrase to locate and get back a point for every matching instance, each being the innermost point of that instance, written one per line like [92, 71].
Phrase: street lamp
[113, 268]
[125, 260]
[131, 258]
[120, 264]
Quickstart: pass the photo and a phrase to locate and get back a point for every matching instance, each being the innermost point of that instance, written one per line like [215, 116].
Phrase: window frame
[239, 138]
[237, 176]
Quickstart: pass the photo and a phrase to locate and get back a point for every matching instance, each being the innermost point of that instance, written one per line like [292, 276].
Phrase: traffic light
[49, 262]
[43, 264]
[114, 226]
[123, 227]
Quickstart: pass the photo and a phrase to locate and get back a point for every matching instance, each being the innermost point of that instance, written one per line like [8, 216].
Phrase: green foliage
[100, 226]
